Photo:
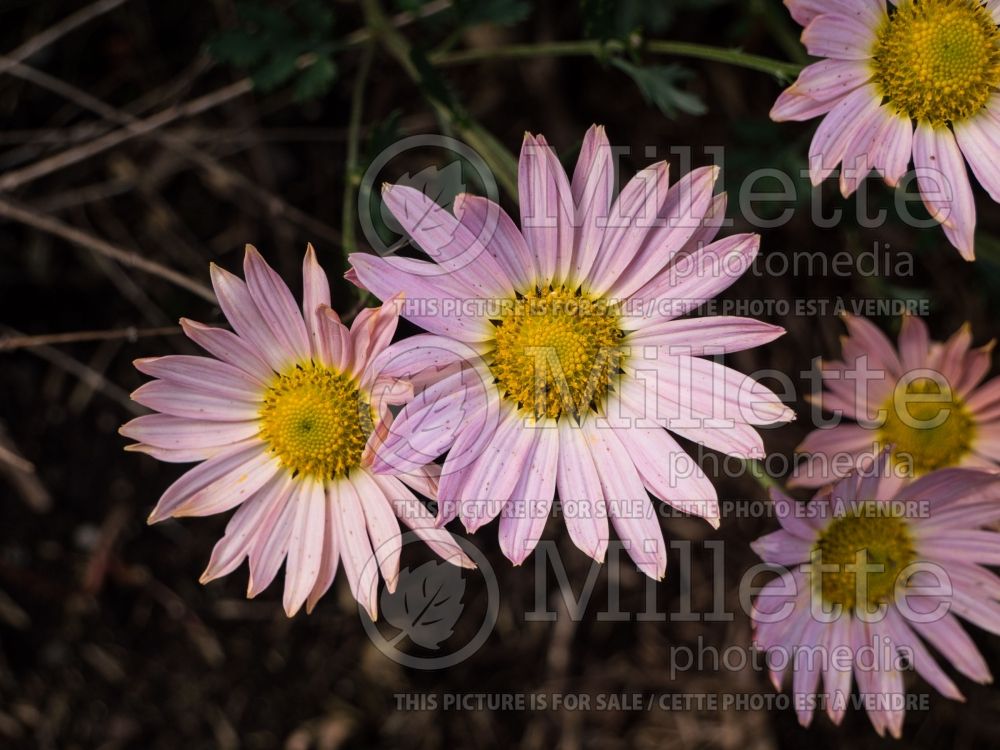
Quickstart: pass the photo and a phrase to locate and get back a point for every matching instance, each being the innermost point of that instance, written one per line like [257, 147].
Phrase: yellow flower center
[556, 351]
[316, 421]
[938, 61]
[884, 538]
[928, 426]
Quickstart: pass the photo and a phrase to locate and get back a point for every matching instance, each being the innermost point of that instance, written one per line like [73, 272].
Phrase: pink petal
[708, 388]
[428, 425]
[523, 518]
[204, 374]
[828, 80]
[593, 190]
[781, 548]
[230, 348]
[840, 37]
[165, 431]
[632, 515]
[421, 522]
[232, 489]
[448, 243]
[949, 638]
[706, 336]
[270, 546]
[360, 565]
[734, 438]
[580, 492]
[669, 473]
[838, 129]
[330, 559]
[893, 147]
[315, 292]
[241, 311]
[690, 283]
[435, 301]
[944, 185]
[276, 304]
[503, 240]
[243, 527]
[872, 341]
[914, 343]
[371, 334]
[305, 545]
[546, 209]
[859, 156]
[794, 107]
[333, 340]
[793, 519]
[181, 401]
[493, 477]
[633, 216]
[679, 218]
[383, 528]
[979, 139]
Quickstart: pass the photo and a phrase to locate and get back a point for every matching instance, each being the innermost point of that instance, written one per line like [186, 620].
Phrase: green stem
[757, 471]
[499, 159]
[352, 176]
[600, 50]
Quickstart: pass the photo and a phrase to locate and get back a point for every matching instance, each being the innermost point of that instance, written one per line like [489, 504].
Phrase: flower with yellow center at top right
[925, 400]
[870, 572]
[917, 77]
[283, 418]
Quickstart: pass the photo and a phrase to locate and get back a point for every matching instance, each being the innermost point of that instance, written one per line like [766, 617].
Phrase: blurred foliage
[658, 84]
[275, 46]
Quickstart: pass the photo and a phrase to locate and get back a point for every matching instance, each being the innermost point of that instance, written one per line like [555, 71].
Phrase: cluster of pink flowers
[539, 375]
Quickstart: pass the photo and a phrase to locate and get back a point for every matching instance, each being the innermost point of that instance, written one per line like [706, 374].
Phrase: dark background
[106, 637]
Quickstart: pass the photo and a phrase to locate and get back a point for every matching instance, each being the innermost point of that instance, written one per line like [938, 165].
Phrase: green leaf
[659, 86]
[238, 48]
[315, 80]
[271, 43]
[274, 73]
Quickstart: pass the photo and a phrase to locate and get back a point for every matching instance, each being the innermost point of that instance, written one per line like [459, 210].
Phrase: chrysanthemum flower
[925, 400]
[871, 573]
[280, 417]
[920, 78]
[558, 342]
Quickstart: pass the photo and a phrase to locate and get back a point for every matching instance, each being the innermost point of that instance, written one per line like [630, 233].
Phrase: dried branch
[58, 30]
[130, 334]
[127, 258]
[17, 178]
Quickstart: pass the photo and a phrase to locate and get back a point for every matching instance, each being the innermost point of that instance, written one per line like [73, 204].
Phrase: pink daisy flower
[920, 78]
[280, 418]
[869, 575]
[556, 358]
[925, 400]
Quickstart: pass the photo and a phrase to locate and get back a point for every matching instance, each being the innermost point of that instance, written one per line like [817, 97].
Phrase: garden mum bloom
[925, 400]
[921, 77]
[555, 357]
[280, 418]
[829, 615]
